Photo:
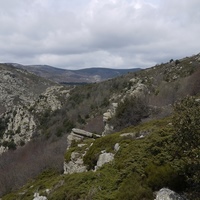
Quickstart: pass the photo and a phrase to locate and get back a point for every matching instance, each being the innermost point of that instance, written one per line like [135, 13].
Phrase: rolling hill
[88, 75]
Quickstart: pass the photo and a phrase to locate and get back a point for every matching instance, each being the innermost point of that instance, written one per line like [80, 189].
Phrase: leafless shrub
[25, 163]
[95, 125]
[193, 86]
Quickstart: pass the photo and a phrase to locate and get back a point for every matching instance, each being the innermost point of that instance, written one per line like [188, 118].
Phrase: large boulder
[38, 197]
[103, 159]
[167, 194]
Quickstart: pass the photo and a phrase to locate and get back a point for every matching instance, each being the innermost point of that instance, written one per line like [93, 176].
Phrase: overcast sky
[76, 34]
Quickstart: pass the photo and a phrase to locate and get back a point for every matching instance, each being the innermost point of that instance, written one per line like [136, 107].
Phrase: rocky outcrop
[78, 135]
[17, 86]
[75, 165]
[50, 99]
[21, 125]
[106, 118]
[167, 194]
[82, 133]
[24, 98]
[137, 89]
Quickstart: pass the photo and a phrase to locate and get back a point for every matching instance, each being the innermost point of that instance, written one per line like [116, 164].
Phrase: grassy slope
[141, 166]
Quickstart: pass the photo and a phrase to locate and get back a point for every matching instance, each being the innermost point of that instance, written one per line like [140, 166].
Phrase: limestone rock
[116, 147]
[75, 165]
[167, 194]
[132, 135]
[85, 133]
[22, 124]
[38, 197]
[49, 99]
[82, 132]
[24, 97]
[103, 159]
[107, 116]
[138, 89]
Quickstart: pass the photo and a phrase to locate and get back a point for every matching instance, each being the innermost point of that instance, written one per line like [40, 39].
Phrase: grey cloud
[103, 33]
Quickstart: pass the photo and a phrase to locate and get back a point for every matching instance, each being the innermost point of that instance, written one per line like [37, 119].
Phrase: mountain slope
[24, 99]
[88, 75]
[143, 150]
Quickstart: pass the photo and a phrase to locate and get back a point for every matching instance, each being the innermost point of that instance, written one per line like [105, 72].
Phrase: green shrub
[133, 188]
[186, 122]
[164, 176]
[105, 143]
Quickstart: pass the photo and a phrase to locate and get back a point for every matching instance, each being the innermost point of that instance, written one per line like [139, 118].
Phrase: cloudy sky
[76, 34]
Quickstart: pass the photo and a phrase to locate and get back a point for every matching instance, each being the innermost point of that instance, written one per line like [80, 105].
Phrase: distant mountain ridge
[87, 75]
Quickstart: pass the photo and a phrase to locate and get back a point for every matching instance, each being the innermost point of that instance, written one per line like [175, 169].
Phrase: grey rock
[81, 145]
[167, 194]
[116, 147]
[75, 165]
[38, 197]
[106, 118]
[132, 135]
[83, 133]
[103, 159]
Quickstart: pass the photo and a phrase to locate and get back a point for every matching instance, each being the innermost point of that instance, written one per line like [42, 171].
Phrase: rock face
[20, 126]
[49, 99]
[137, 89]
[167, 194]
[24, 98]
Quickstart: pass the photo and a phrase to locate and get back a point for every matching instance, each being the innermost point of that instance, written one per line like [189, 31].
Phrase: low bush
[133, 188]
[164, 176]
[130, 112]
